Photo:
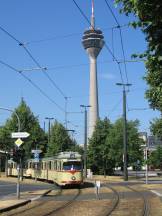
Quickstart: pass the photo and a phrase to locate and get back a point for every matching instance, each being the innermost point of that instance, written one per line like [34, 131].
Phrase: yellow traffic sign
[18, 142]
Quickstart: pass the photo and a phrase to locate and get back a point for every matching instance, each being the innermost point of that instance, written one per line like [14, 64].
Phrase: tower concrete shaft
[93, 42]
[93, 96]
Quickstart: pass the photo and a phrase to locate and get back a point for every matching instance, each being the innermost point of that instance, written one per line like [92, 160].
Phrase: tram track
[67, 204]
[41, 203]
[146, 206]
[65, 200]
[48, 206]
[116, 200]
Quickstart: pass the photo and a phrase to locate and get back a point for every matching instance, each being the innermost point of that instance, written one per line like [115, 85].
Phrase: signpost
[19, 142]
[36, 153]
[20, 134]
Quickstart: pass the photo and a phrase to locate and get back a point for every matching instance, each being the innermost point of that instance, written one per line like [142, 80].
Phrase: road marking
[157, 193]
[6, 185]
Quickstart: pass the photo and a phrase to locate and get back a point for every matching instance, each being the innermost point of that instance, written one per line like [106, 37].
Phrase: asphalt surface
[9, 188]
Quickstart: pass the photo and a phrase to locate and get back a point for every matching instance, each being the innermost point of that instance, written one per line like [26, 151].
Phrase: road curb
[5, 209]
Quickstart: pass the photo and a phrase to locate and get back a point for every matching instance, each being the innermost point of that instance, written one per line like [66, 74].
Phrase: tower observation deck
[93, 41]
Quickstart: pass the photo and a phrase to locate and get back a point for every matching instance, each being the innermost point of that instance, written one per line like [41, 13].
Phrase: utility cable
[137, 109]
[32, 83]
[115, 106]
[121, 38]
[109, 50]
[86, 64]
[44, 70]
[68, 35]
[118, 63]
[83, 14]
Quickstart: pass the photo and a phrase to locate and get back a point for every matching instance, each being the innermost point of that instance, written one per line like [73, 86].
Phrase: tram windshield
[72, 165]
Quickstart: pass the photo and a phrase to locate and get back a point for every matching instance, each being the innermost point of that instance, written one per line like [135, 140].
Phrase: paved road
[8, 188]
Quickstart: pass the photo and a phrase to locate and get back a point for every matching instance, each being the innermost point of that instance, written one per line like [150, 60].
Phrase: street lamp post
[49, 127]
[85, 139]
[124, 130]
[18, 119]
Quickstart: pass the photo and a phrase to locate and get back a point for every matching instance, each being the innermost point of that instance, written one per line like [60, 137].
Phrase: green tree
[6, 143]
[155, 158]
[115, 143]
[30, 124]
[105, 150]
[97, 149]
[148, 16]
[59, 140]
[135, 150]
[156, 127]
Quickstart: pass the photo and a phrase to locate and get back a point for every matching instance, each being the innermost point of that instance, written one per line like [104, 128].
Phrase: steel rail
[115, 200]
[146, 206]
[36, 206]
[67, 204]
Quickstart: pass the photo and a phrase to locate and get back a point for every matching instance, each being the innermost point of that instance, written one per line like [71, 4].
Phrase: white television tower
[93, 42]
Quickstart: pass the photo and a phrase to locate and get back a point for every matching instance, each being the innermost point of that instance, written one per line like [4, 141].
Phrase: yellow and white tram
[64, 168]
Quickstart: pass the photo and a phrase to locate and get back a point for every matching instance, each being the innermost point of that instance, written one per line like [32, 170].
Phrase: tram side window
[55, 165]
[45, 165]
[29, 165]
[49, 165]
[58, 165]
[52, 165]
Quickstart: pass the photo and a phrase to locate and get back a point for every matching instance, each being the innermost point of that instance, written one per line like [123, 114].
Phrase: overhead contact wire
[105, 43]
[121, 38]
[32, 83]
[34, 60]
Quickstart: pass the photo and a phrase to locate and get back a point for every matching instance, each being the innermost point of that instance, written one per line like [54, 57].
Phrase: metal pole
[146, 165]
[49, 128]
[66, 100]
[18, 180]
[85, 144]
[85, 139]
[124, 130]
[125, 135]
[18, 119]
[44, 126]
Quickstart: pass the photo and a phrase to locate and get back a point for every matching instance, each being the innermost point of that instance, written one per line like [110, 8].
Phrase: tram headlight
[73, 178]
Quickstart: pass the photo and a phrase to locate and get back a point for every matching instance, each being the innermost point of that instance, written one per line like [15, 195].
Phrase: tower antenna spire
[92, 16]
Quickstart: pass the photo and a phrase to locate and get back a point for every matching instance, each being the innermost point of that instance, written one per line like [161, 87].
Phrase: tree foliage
[156, 128]
[28, 123]
[149, 18]
[155, 158]
[105, 150]
[97, 150]
[60, 140]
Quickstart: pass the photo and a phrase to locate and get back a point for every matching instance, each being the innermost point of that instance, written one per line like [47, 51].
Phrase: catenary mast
[93, 42]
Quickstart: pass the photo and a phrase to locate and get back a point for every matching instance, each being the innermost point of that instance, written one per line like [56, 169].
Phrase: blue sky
[52, 30]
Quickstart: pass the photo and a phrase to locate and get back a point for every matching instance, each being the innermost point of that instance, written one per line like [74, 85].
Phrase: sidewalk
[9, 202]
